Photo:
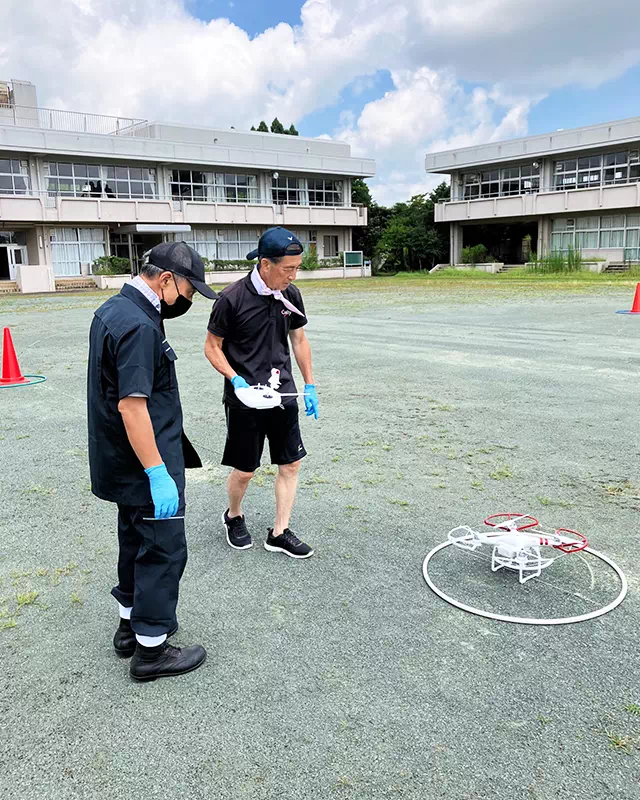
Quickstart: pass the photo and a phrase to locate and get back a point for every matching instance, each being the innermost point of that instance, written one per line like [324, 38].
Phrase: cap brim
[205, 291]
[252, 255]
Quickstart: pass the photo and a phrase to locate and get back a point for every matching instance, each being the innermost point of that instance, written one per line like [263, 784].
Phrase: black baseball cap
[179, 258]
[276, 243]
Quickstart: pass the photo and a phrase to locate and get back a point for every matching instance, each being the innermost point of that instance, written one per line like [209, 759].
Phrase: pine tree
[262, 127]
[253, 127]
[292, 130]
[277, 126]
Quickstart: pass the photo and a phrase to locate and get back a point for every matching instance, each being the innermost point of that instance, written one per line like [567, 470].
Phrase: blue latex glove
[311, 400]
[239, 383]
[164, 492]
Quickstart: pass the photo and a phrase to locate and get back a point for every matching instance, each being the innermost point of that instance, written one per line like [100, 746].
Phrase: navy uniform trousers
[152, 558]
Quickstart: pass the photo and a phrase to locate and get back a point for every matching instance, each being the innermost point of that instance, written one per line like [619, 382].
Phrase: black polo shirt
[255, 329]
[129, 354]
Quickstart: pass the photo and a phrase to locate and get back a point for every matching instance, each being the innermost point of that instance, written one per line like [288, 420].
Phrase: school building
[76, 186]
[573, 189]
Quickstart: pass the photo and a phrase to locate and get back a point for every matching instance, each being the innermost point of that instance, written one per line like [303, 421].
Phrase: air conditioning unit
[4, 94]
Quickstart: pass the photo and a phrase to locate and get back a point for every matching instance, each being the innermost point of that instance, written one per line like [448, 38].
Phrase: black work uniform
[129, 355]
[255, 329]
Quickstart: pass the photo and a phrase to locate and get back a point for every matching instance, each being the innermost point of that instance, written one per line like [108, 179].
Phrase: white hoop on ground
[528, 620]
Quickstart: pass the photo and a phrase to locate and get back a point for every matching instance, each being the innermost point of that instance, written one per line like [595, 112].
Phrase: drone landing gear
[528, 562]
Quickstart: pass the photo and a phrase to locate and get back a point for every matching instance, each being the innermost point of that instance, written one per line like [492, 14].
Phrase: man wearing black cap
[138, 453]
[248, 342]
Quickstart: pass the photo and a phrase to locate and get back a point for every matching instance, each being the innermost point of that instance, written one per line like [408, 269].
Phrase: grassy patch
[401, 503]
[41, 491]
[26, 598]
[76, 600]
[633, 708]
[621, 744]
[502, 473]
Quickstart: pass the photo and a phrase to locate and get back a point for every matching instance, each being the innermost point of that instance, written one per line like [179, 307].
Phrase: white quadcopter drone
[263, 397]
[518, 544]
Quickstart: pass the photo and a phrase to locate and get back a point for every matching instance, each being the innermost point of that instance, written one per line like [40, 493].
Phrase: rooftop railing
[56, 119]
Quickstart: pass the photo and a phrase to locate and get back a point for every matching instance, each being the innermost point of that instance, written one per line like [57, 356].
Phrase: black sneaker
[124, 641]
[287, 543]
[237, 534]
[165, 661]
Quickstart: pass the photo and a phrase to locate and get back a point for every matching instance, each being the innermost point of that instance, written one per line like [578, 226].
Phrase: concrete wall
[607, 135]
[118, 281]
[91, 210]
[246, 139]
[576, 201]
[153, 150]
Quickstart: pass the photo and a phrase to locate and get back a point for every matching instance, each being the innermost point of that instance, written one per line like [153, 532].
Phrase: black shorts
[246, 432]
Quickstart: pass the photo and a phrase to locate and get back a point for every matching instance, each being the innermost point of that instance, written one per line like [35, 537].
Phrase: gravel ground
[342, 676]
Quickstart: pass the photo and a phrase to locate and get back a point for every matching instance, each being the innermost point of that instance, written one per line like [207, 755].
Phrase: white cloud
[154, 59]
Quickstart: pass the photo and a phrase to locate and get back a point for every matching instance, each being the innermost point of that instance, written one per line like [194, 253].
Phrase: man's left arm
[302, 353]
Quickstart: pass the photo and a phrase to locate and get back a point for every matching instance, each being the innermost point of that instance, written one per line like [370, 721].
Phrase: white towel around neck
[262, 289]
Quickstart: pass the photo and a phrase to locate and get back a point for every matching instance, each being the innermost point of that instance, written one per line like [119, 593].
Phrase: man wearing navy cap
[248, 337]
[138, 453]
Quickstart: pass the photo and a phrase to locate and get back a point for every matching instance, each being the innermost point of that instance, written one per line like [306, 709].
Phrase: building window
[211, 187]
[130, 182]
[229, 244]
[94, 180]
[614, 231]
[14, 176]
[287, 191]
[609, 169]
[73, 247]
[234, 244]
[204, 240]
[187, 184]
[501, 182]
[307, 237]
[331, 247]
[325, 192]
[236, 188]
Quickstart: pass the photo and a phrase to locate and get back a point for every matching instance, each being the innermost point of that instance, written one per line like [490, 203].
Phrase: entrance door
[16, 258]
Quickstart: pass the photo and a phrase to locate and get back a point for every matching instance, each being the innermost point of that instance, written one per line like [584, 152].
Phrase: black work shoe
[287, 543]
[124, 642]
[165, 661]
[238, 536]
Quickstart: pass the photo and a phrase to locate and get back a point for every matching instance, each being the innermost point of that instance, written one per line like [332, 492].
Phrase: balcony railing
[50, 198]
[461, 194]
[56, 119]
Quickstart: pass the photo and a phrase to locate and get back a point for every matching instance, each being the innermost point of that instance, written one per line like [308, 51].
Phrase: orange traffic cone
[635, 308]
[10, 367]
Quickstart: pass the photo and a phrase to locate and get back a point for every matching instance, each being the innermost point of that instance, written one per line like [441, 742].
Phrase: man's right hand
[164, 492]
[239, 383]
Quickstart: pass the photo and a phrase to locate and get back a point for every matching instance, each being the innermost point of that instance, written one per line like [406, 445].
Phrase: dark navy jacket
[129, 354]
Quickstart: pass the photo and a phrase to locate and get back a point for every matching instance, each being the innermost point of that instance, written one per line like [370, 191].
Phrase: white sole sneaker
[273, 549]
[226, 533]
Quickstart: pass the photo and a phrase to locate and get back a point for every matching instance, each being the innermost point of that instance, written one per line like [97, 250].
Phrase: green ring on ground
[34, 379]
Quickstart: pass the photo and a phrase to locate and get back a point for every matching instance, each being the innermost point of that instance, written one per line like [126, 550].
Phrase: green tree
[253, 127]
[292, 130]
[393, 243]
[263, 128]
[360, 192]
[277, 126]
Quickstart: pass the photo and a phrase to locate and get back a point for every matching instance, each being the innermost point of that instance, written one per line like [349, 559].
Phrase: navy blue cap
[276, 243]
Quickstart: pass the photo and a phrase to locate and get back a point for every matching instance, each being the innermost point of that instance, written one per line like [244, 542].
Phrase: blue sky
[566, 107]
